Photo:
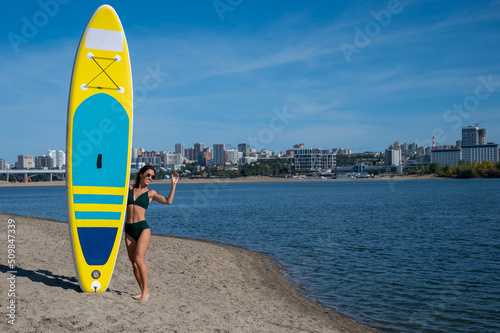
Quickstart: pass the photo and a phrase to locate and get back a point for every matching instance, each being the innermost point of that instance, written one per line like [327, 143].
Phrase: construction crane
[479, 123]
[29, 178]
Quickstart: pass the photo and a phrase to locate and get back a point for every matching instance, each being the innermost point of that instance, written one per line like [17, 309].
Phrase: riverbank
[194, 285]
[262, 179]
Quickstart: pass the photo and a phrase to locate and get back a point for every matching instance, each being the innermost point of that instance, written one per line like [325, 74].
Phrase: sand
[195, 286]
[255, 179]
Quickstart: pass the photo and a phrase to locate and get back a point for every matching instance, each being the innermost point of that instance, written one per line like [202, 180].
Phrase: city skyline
[356, 75]
[471, 135]
[229, 146]
[226, 147]
[473, 147]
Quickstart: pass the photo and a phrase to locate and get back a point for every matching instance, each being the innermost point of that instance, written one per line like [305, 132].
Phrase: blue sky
[352, 74]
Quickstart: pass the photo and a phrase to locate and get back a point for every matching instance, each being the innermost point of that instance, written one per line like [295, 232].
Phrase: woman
[137, 232]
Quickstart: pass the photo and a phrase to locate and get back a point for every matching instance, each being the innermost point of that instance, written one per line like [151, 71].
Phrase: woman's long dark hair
[141, 172]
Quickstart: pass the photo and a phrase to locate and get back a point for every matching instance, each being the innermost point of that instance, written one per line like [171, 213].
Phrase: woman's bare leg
[140, 252]
[131, 250]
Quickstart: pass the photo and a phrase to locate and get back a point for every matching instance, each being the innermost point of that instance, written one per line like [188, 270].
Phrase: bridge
[32, 172]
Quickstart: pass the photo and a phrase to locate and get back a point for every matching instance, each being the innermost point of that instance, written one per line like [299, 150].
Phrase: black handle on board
[99, 161]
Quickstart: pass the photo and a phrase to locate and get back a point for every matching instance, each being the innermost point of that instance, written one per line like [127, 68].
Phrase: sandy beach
[195, 286]
[262, 179]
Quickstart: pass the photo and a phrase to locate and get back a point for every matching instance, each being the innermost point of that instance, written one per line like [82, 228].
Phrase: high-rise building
[482, 136]
[44, 162]
[171, 159]
[179, 149]
[233, 156]
[60, 161]
[472, 135]
[189, 154]
[135, 154]
[25, 162]
[53, 155]
[392, 157]
[198, 150]
[149, 157]
[206, 156]
[219, 153]
[314, 159]
[244, 148]
[58, 158]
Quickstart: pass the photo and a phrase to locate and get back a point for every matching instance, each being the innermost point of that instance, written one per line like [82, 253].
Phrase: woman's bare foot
[145, 296]
[137, 296]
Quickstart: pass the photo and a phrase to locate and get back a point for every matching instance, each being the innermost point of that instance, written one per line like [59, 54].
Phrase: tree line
[485, 169]
[284, 167]
[278, 167]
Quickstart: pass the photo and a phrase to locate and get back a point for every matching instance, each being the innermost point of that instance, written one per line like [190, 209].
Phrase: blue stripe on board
[97, 244]
[100, 127]
[97, 215]
[98, 199]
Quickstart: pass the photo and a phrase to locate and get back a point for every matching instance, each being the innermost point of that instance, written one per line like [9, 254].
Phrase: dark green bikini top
[141, 201]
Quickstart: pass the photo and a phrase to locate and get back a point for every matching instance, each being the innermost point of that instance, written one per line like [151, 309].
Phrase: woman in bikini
[137, 232]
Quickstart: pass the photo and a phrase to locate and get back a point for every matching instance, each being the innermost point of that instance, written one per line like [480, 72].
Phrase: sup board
[98, 147]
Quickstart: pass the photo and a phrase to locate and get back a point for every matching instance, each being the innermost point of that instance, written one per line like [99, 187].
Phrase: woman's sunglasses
[150, 175]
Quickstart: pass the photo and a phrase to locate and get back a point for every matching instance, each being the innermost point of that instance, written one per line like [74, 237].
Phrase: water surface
[410, 256]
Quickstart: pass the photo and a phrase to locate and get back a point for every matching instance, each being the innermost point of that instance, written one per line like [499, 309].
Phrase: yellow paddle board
[98, 146]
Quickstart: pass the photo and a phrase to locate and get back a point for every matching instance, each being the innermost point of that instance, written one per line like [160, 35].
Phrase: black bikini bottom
[134, 230]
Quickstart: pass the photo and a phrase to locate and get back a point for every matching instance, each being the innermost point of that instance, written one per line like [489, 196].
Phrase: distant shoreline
[253, 179]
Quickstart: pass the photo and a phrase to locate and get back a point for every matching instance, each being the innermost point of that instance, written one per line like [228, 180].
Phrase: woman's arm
[167, 200]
